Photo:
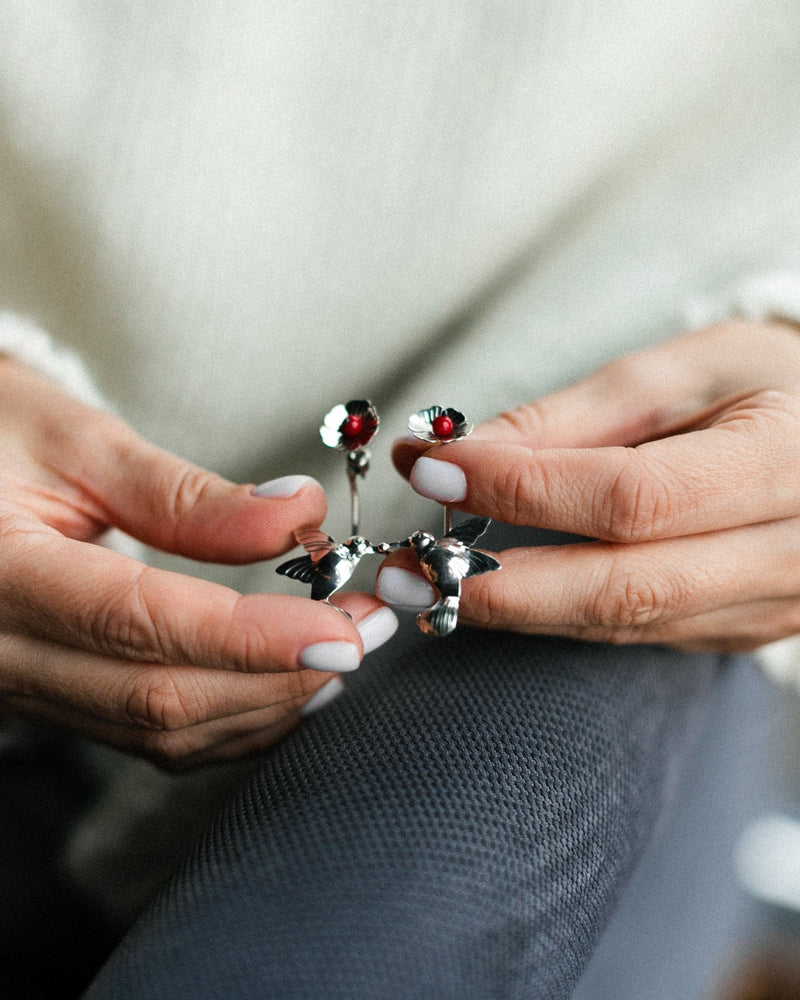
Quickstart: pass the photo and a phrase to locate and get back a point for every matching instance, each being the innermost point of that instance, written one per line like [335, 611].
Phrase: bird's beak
[394, 546]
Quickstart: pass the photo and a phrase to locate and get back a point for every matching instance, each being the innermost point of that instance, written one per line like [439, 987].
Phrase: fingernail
[376, 628]
[286, 486]
[338, 657]
[437, 480]
[406, 590]
[327, 693]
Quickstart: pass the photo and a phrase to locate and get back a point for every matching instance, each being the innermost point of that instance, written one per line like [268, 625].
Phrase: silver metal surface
[329, 564]
[439, 425]
[446, 562]
[349, 427]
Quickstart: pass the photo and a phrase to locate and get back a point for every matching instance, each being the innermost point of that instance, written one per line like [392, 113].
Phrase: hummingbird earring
[445, 561]
[329, 564]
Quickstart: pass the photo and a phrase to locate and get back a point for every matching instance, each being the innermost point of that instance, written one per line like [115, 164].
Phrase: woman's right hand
[171, 667]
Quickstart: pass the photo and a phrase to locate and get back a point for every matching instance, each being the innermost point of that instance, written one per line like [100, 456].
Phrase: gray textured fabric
[684, 918]
[460, 825]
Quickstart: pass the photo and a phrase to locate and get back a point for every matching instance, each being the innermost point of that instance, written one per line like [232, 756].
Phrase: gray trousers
[465, 823]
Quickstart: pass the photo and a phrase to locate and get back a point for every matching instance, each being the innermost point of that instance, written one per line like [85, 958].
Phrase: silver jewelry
[446, 562]
[328, 564]
[440, 425]
[349, 427]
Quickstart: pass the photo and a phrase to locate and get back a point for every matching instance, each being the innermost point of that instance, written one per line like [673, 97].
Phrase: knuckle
[526, 421]
[157, 702]
[637, 505]
[490, 603]
[512, 493]
[297, 686]
[634, 374]
[773, 414]
[186, 491]
[785, 404]
[484, 605]
[779, 414]
[244, 640]
[122, 625]
[630, 598]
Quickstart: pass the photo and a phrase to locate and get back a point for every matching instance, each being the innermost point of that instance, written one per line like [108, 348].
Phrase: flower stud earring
[439, 425]
[349, 427]
[328, 565]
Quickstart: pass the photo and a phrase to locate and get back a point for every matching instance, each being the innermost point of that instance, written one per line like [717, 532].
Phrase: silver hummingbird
[446, 562]
[329, 564]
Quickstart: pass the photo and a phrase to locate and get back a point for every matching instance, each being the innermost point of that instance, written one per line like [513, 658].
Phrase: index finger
[740, 470]
[94, 599]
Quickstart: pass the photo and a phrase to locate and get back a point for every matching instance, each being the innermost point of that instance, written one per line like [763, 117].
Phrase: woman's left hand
[681, 462]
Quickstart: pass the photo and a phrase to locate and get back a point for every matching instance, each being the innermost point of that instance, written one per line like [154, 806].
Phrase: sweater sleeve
[27, 343]
[760, 297]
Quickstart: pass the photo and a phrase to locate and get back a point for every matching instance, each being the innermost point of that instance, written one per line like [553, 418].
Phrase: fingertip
[333, 656]
[259, 522]
[323, 696]
[373, 620]
[377, 628]
[284, 487]
[438, 480]
[403, 588]
[374, 628]
[405, 452]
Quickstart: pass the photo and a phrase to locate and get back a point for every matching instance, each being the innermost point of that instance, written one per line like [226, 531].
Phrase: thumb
[179, 507]
[628, 401]
[635, 398]
[657, 391]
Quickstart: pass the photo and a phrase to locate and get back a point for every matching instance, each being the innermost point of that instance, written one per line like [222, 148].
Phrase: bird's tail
[441, 618]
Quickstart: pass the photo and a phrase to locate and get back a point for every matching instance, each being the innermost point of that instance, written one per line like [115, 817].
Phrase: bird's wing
[316, 543]
[470, 531]
[480, 562]
[302, 568]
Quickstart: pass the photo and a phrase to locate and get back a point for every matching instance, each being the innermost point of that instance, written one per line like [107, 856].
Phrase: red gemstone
[352, 426]
[442, 426]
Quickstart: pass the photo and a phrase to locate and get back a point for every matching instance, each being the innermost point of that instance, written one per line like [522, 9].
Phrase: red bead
[351, 427]
[442, 426]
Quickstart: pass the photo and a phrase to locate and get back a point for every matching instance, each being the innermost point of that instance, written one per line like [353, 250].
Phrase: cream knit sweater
[240, 212]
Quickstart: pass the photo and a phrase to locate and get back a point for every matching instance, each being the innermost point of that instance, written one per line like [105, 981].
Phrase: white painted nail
[440, 481]
[284, 487]
[376, 628]
[404, 589]
[326, 694]
[338, 657]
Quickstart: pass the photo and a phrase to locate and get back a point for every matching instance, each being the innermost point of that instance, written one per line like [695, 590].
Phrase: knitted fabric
[24, 341]
[460, 824]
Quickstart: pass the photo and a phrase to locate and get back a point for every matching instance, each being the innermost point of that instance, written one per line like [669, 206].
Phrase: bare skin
[682, 461]
[171, 667]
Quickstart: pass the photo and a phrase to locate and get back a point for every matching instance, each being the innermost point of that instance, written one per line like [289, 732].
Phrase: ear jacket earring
[446, 561]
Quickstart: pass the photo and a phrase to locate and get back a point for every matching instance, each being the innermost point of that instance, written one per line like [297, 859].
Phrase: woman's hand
[175, 668]
[683, 461]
